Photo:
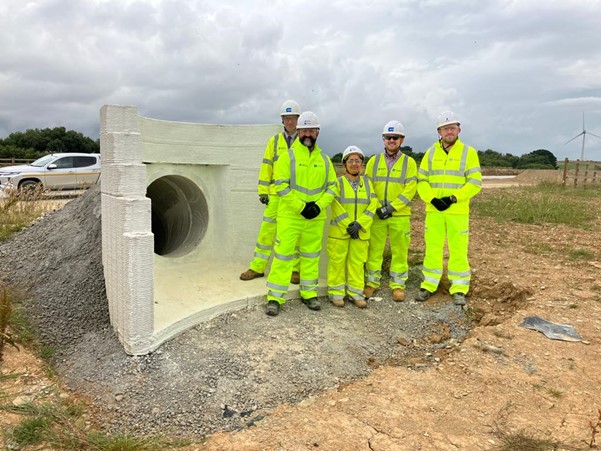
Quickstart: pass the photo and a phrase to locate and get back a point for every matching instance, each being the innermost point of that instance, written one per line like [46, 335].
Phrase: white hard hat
[351, 150]
[446, 118]
[307, 119]
[290, 108]
[394, 128]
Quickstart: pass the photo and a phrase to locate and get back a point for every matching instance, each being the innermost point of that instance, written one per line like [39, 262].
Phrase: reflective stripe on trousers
[456, 230]
[398, 228]
[308, 234]
[346, 260]
[266, 236]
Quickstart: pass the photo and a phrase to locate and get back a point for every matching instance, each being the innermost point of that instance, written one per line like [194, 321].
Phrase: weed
[573, 306]
[6, 336]
[18, 209]
[595, 429]
[555, 392]
[524, 441]
[581, 254]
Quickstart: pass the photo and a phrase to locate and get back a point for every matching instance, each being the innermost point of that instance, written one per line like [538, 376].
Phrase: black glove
[353, 229]
[311, 210]
[449, 200]
[385, 212]
[441, 204]
[264, 199]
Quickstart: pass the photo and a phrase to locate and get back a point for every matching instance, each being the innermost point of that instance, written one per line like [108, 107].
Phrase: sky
[519, 74]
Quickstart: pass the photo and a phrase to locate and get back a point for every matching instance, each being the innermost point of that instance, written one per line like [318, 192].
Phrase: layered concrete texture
[180, 216]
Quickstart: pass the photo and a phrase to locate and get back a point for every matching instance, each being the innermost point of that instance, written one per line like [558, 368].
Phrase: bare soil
[501, 381]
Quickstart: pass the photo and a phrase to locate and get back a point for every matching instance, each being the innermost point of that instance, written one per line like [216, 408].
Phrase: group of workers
[297, 183]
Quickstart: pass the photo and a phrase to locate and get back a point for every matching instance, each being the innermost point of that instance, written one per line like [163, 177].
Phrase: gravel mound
[222, 375]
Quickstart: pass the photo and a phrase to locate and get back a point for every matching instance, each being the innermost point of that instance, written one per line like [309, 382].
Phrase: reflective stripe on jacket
[276, 146]
[454, 173]
[302, 176]
[350, 205]
[395, 187]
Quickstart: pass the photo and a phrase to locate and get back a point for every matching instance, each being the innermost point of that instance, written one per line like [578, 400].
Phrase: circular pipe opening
[180, 215]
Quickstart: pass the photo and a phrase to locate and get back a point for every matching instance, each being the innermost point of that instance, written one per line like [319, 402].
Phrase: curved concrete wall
[180, 216]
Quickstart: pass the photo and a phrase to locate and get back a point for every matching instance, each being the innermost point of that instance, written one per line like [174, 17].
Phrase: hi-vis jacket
[302, 176]
[456, 173]
[350, 205]
[276, 146]
[396, 187]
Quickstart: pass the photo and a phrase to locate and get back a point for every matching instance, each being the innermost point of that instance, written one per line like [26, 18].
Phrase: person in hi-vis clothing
[353, 211]
[305, 180]
[449, 177]
[394, 176]
[277, 144]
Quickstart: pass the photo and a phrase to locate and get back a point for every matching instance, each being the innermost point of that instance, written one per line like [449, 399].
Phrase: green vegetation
[34, 143]
[545, 203]
[19, 209]
[61, 425]
[524, 441]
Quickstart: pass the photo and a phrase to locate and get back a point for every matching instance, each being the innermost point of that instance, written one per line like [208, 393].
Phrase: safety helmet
[351, 150]
[446, 118]
[394, 128]
[307, 119]
[290, 108]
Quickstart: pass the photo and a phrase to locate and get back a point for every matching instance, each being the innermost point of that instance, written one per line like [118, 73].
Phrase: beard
[309, 141]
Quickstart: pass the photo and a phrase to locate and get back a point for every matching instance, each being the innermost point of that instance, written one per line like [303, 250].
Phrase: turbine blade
[596, 136]
[581, 133]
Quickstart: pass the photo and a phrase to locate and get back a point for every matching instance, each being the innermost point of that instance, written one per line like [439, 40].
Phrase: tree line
[34, 143]
[537, 159]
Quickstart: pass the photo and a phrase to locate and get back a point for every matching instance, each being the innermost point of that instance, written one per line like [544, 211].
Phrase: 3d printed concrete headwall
[180, 216]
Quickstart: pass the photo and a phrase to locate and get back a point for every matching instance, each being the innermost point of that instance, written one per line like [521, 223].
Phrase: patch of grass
[542, 204]
[18, 210]
[60, 425]
[30, 431]
[538, 248]
[581, 255]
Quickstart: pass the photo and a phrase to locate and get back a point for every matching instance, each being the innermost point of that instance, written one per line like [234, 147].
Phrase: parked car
[59, 171]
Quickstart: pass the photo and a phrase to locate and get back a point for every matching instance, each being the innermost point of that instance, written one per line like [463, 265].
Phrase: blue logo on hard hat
[289, 110]
[390, 129]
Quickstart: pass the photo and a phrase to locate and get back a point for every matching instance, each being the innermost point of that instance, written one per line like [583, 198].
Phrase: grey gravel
[222, 375]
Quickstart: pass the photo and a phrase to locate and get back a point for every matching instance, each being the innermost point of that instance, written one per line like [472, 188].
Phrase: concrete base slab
[184, 296]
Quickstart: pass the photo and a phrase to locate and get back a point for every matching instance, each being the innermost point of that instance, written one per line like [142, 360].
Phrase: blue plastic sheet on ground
[551, 330]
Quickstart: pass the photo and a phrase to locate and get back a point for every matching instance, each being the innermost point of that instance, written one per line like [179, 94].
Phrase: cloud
[519, 73]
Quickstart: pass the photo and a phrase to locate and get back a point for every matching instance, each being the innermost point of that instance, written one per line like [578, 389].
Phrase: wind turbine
[583, 133]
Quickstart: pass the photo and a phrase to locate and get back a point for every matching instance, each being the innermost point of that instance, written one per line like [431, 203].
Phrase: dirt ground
[503, 381]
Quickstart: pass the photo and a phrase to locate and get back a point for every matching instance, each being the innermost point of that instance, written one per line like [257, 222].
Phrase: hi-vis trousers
[267, 232]
[456, 230]
[398, 229]
[346, 273]
[308, 233]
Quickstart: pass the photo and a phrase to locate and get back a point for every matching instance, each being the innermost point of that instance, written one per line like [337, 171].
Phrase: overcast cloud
[519, 73]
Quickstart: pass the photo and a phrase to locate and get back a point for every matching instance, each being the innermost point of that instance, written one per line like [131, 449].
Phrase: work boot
[359, 303]
[312, 303]
[295, 278]
[423, 295]
[368, 292]
[398, 295]
[337, 302]
[273, 308]
[250, 275]
[459, 299]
